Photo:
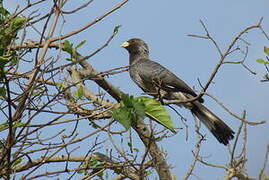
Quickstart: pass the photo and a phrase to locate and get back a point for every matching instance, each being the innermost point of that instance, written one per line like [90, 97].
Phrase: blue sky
[164, 25]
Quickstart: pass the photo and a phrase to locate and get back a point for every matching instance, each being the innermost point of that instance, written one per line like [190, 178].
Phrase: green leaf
[3, 12]
[130, 111]
[2, 74]
[92, 162]
[18, 22]
[263, 176]
[5, 125]
[79, 93]
[266, 50]
[81, 171]
[101, 173]
[130, 145]
[80, 44]
[149, 172]
[76, 94]
[123, 116]
[135, 106]
[68, 47]
[116, 30]
[156, 111]
[94, 125]
[2, 92]
[17, 162]
[69, 59]
[4, 60]
[35, 93]
[18, 124]
[266, 76]
[60, 86]
[261, 61]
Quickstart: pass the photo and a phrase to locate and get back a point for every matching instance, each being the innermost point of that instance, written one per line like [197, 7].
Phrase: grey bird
[157, 81]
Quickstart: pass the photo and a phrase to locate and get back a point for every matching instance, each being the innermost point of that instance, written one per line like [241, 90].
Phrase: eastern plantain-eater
[157, 81]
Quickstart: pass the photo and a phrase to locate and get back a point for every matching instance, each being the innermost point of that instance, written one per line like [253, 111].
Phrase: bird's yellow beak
[125, 44]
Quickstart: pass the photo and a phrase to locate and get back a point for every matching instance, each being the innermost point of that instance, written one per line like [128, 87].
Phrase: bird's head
[136, 46]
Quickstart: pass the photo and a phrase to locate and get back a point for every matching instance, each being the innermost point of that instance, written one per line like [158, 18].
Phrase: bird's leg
[158, 84]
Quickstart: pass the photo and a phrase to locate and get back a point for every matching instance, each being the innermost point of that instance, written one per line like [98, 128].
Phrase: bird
[157, 81]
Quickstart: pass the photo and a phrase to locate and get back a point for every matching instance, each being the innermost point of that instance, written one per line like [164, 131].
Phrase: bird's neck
[133, 58]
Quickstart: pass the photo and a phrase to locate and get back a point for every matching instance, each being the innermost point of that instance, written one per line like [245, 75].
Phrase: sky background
[164, 25]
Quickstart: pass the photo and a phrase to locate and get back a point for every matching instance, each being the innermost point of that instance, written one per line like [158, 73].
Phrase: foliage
[265, 63]
[133, 109]
[129, 112]
[9, 27]
[156, 111]
[92, 163]
[72, 51]
[5, 125]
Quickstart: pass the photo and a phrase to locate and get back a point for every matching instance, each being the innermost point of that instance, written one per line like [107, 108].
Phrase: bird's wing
[150, 71]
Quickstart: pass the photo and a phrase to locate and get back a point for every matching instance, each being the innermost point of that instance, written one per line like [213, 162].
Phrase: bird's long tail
[218, 128]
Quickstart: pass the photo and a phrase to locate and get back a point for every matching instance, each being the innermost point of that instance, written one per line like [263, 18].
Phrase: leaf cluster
[133, 109]
[71, 50]
[93, 164]
[265, 62]
[129, 112]
[9, 27]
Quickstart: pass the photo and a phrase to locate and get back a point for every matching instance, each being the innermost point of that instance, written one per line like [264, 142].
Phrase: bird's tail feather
[218, 128]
